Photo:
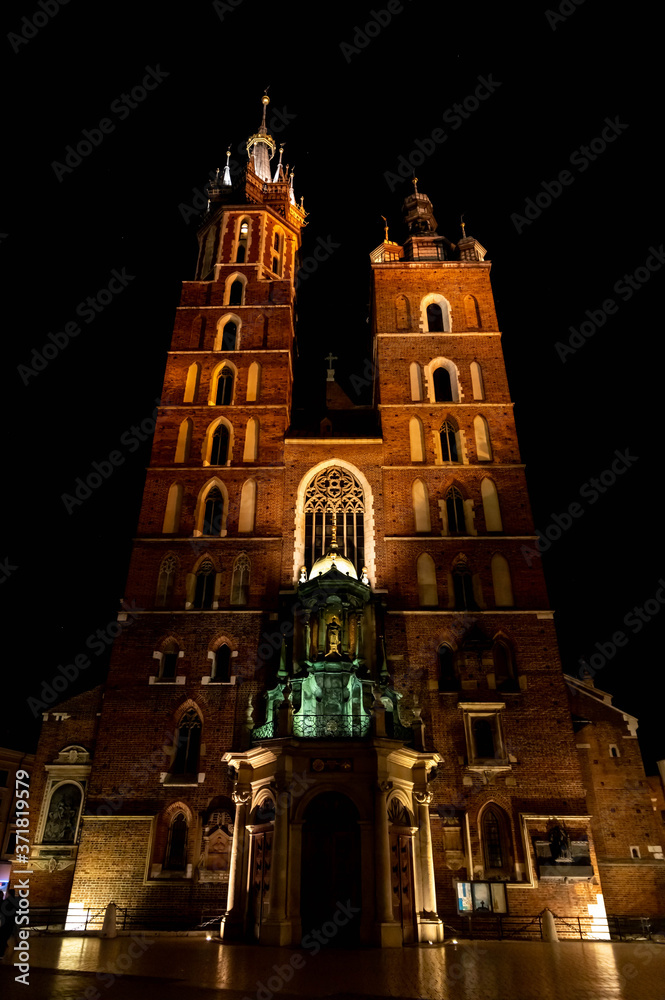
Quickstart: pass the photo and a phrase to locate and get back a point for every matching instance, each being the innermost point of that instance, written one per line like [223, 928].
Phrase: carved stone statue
[333, 637]
[560, 848]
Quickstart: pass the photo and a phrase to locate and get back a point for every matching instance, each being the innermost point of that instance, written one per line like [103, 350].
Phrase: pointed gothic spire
[261, 146]
[279, 172]
[226, 179]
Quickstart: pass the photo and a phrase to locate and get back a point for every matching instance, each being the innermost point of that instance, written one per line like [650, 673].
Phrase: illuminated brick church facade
[338, 679]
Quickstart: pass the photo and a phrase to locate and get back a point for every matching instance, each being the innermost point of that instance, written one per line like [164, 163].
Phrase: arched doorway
[331, 867]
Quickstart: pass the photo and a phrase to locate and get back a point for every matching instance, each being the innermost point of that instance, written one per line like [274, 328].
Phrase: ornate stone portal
[351, 820]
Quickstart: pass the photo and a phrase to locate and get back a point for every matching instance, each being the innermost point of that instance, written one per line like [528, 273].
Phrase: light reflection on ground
[141, 968]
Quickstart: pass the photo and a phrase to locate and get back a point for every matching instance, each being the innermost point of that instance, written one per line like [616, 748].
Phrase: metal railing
[505, 927]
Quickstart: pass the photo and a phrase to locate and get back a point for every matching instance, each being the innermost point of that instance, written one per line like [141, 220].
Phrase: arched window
[334, 507]
[421, 514]
[63, 814]
[192, 383]
[176, 845]
[448, 677]
[492, 840]
[243, 238]
[213, 512]
[237, 293]
[491, 506]
[253, 382]
[477, 386]
[251, 451]
[184, 441]
[504, 667]
[240, 580]
[166, 581]
[416, 382]
[471, 312]
[186, 759]
[416, 440]
[463, 585]
[503, 588]
[278, 252]
[221, 668]
[402, 313]
[428, 594]
[204, 591]
[455, 512]
[224, 393]
[495, 837]
[209, 247]
[434, 318]
[483, 447]
[172, 514]
[247, 506]
[443, 390]
[219, 452]
[448, 438]
[229, 336]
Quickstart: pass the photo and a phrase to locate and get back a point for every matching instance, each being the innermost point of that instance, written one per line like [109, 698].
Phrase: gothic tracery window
[240, 580]
[335, 509]
[167, 572]
[205, 586]
[186, 759]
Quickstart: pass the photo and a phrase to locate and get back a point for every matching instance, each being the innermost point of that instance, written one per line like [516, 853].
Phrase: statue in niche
[333, 637]
[63, 813]
[560, 848]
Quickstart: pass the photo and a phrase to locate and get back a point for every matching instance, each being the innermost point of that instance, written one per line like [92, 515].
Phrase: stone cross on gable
[330, 357]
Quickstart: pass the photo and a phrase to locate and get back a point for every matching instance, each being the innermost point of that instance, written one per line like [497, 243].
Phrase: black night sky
[355, 109]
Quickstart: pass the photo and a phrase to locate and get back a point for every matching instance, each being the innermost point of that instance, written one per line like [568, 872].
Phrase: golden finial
[461, 221]
[386, 229]
[415, 183]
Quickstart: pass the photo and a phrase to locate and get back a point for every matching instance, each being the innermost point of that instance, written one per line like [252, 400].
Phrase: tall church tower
[336, 700]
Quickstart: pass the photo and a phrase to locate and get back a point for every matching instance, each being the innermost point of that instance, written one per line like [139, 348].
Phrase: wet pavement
[143, 968]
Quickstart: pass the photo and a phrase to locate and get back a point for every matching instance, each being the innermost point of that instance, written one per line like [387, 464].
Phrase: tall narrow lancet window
[277, 252]
[448, 678]
[184, 441]
[483, 447]
[503, 588]
[204, 591]
[463, 585]
[471, 312]
[443, 390]
[428, 594]
[247, 507]
[491, 507]
[477, 386]
[416, 440]
[335, 509]
[421, 514]
[176, 847]
[213, 512]
[492, 840]
[229, 336]
[243, 237]
[434, 318]
[402, 313]
[416, 382]
[251, 450]
[240, 580]
[186, 760]
[172, 513]
[224, 394]
[253, 382]
[192, 383]
[448, 439]
[166, 581]
[504, 668]
[455, 512]
[219, 453]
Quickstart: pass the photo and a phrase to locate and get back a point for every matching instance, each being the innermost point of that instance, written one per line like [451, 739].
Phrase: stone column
[232, 922]
[430, 927]
[276, 929]
[389, 933]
